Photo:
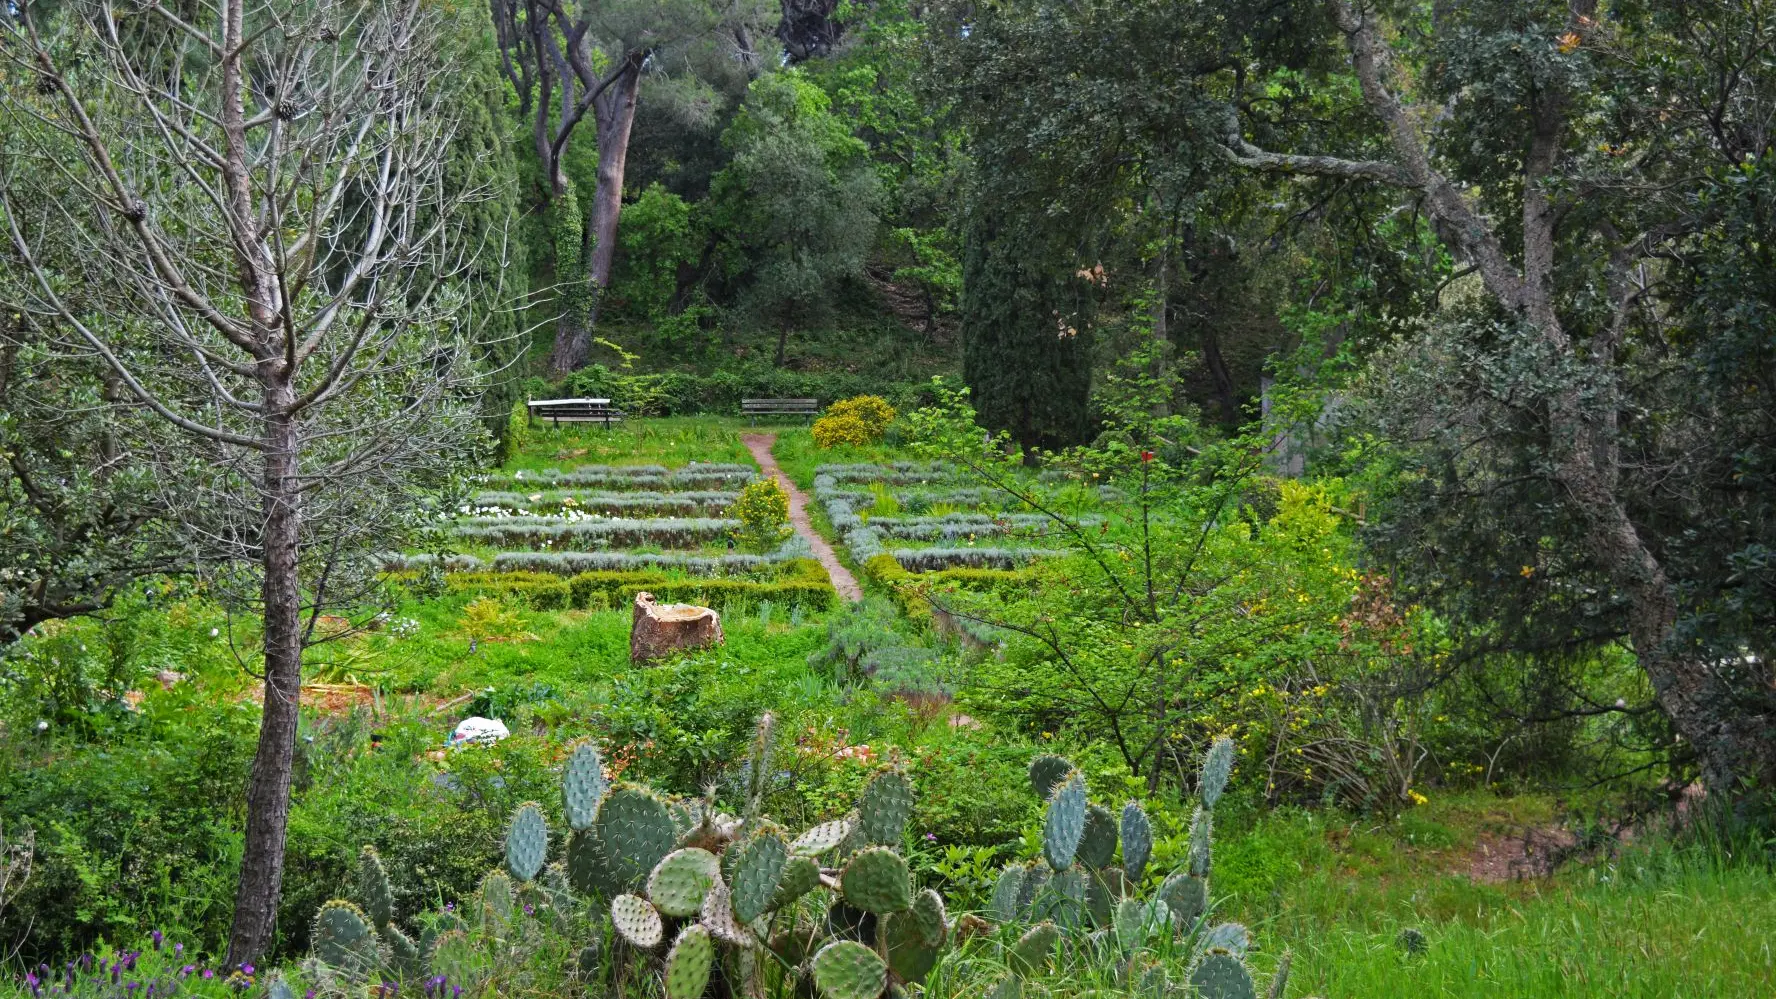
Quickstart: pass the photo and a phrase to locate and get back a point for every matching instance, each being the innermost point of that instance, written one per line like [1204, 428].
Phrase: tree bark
[613, 113]
[268, 791]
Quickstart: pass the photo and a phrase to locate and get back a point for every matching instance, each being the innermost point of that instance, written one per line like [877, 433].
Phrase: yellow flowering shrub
[763, 512]
[831, 431]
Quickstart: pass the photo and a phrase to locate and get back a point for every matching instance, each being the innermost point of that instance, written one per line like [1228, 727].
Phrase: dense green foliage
[1339, 432]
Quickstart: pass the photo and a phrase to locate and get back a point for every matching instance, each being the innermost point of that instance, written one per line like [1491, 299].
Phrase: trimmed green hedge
[908, 589]
[803, 584]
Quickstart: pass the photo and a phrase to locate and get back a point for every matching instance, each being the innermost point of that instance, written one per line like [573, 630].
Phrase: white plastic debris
[485, 731]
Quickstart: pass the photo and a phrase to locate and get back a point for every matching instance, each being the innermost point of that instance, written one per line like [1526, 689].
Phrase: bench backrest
[545, 403]
[795, 404]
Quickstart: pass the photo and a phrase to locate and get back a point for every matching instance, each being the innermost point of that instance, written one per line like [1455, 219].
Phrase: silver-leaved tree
[247, 211]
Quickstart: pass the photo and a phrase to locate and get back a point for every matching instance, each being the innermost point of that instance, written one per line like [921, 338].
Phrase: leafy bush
[763, 512]
[680, 393]
[517, 430]
[833, 431]
[872, 411]
[800, 583]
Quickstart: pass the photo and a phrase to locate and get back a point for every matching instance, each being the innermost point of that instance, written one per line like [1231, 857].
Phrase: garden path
[842, 580]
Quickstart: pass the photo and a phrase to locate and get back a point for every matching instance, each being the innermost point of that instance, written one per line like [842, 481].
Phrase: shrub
[872, 411]
[517, 431]
[763, 512]
[832, 431]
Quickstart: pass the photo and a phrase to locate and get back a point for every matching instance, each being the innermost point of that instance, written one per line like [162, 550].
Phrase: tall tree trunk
[268, 791]
[613, 112]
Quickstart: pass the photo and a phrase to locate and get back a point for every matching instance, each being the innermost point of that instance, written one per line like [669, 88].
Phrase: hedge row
[803, 584]
[570, 563]
[909, 589]
[591, 535]
[605, 477]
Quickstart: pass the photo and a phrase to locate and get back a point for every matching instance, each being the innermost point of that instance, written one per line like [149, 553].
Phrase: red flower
[1146, 455]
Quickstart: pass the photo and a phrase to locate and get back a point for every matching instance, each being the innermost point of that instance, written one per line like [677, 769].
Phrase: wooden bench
[756, 408]
[559, 411]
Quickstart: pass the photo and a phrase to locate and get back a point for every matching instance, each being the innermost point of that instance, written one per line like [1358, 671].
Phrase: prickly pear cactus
[757, 873]
[1097, 842]
[374, 890]
[688, 963]
[823, 837]
[344, 941]
[637, 921]
[1031, 951]
[1220, 975]
[1137, 841]
[583, 785]
[527, 841]
[1047, 772]
[681, 879]
[635, 830]
[1217, 765]
[846, 969]
[1065, 823]
[878, 881]
[884, 808]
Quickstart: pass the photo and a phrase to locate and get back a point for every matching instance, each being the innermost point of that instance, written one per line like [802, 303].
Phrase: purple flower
[179, 949]
[310, 994]
[209, 973]
[529, 910]
[188, 969]
[158, 938]
[931, 837]
[456, 992]
[246, 969]
[133, 986]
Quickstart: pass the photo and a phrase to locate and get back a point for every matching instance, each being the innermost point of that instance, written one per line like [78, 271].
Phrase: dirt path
[842, 580]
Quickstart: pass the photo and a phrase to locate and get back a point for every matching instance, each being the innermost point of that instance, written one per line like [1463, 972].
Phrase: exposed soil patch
[1534, 854]
[842, 580]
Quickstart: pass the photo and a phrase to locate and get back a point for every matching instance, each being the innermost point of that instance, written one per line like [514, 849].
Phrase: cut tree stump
[662, 629]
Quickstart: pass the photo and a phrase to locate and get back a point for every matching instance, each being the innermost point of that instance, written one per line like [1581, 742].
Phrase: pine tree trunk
[268, 791]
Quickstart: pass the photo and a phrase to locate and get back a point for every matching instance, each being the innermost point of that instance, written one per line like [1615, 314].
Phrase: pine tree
[1025, 348]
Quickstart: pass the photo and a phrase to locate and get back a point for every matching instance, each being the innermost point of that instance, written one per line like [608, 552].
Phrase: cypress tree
[1025, 347]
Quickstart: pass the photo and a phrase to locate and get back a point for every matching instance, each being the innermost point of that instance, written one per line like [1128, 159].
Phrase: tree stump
[662, 629]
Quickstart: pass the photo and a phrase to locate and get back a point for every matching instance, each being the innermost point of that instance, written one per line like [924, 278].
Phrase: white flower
[214, 632]
[1621, 702]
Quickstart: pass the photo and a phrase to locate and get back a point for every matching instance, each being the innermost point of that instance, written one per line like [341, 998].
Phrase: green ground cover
[133, 805]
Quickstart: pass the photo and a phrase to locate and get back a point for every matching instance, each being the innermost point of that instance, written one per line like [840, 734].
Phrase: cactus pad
[1097, 843]
[1065, 823]
[1031, 951]
[910, 956]
[1137, 841]
[1222, 976]
[1202, 834]
[1130, 923]
[637, 920]
[688, 963]
[402, 949]
[583, 786]
[497, 907]
[801, 875]
[822, 838]
[373, 887]
[1005, 907]
[1186, 896]
[1063, 900]
[756, 871]
[1047, 772]
[884, 808]
[344, 941]
[681, 879]
[589, 962]
[877, 880]
[455, 958]
[846, 969]
[718, 915]
[527, 841]
[1217, 765]
[635, 831]
[587, 869]
[1035, 880]
[1230, 937]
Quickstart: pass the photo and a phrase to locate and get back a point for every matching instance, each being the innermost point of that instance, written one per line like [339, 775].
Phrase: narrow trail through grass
[842, 580]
